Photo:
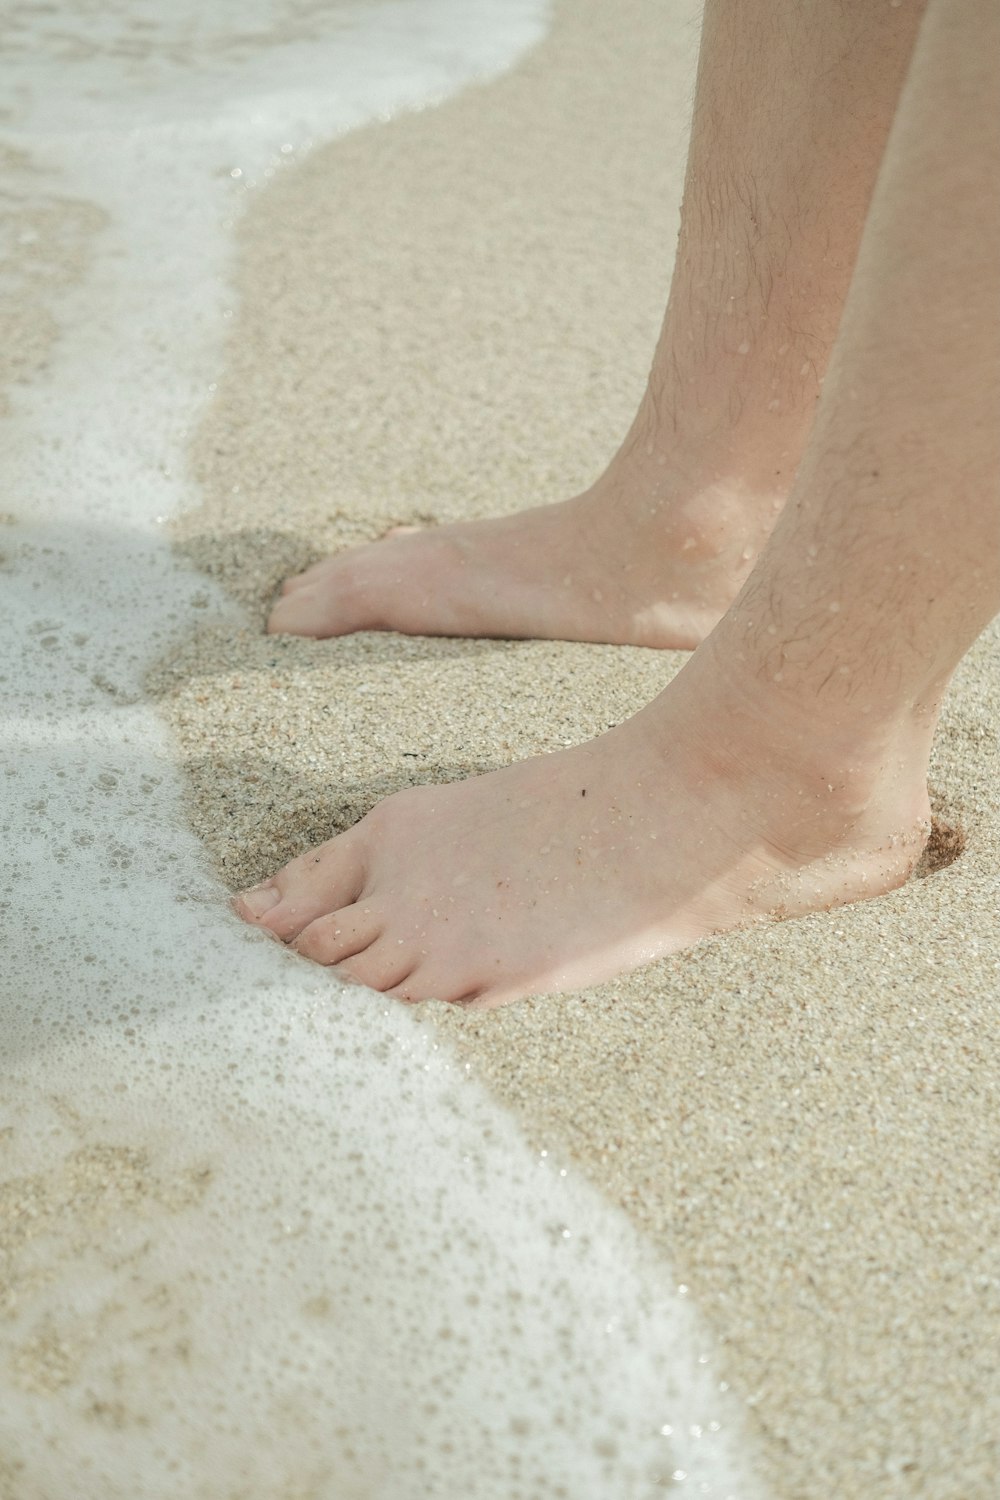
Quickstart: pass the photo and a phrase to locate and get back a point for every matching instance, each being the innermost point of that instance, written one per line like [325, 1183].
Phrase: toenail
[260, 900]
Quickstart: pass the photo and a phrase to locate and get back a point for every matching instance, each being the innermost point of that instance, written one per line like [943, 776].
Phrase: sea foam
[261, 1237]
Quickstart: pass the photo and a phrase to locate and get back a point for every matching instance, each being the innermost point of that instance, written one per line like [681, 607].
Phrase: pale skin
[784, 769]
[792, 111]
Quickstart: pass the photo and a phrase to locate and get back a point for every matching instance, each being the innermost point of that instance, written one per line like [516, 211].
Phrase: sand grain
[451, 315]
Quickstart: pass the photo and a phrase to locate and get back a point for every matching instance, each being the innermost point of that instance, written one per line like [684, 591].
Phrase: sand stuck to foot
[451, 314]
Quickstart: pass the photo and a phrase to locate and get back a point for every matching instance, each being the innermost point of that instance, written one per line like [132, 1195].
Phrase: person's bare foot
[655, 565]
[770, 224]
[694, 817]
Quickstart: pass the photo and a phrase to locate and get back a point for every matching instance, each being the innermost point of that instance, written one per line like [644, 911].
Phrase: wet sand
[451, 314]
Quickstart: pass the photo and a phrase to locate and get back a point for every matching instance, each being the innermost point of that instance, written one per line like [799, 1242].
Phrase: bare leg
[783, 769]
[792, 109]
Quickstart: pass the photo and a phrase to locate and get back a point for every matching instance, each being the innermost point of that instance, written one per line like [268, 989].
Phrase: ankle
[845, 777]
[701, 513]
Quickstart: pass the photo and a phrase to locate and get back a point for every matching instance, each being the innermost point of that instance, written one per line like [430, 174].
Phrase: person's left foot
[569, 868]
[638, 560]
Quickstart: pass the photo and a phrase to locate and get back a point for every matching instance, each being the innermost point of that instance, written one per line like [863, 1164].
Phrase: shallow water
[260, 1236]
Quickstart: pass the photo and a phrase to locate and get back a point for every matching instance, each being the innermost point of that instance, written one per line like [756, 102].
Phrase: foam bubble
[260, 1236]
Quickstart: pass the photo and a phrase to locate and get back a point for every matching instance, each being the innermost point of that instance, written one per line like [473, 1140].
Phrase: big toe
[301, 611]
[317, 883]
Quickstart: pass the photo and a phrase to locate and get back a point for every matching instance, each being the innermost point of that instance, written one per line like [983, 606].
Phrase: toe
[332, 939]
[403, 991]
[254, 905]
[334, 597]
[429, 983]
[297, 612]
[382, 966]
[492, 999]
[319, 882]
[492, 996]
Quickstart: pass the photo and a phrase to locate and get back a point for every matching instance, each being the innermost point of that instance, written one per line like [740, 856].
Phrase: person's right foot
[645, 568]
